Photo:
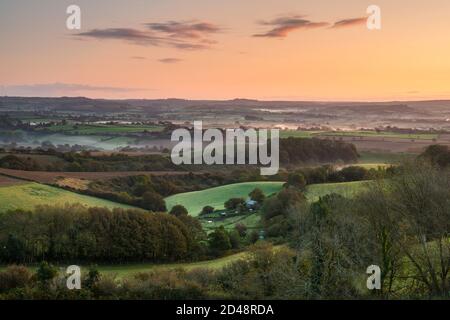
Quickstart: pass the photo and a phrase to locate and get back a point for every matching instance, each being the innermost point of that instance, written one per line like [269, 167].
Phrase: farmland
[55, 177]
[28, 195]
[215, 197]
[346, 189]
[92, 129]
[357, 133]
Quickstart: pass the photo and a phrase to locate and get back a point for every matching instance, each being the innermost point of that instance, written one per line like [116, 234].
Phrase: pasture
[346, 189]
[29, 195]
[358, 134]
[216, 197]
[107, 129]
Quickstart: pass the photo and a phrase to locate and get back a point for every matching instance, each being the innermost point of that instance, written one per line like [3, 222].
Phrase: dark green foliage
[179, 211]
[75, 233]
[16, 163]
[437, 154]
[276, 211]
[298, 150]
[296, 180]
[46, 272]
[219, 240]
[207, 210]
[153, 201]
[257, 195]
[234, 203]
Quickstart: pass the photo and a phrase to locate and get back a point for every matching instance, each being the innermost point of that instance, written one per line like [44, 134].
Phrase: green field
[384, 157]
[297, 134]
[125, 270]
[346, 189]
[382, 134]
[96, 141]
[364, 134]
[89, 129]
[250, 220]
[27, 196]
[216, 197]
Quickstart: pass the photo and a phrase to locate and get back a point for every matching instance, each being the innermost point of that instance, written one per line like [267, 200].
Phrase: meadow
[92, 129]
[361, 134]
[28, 195]
[346, 189]
[216, 197]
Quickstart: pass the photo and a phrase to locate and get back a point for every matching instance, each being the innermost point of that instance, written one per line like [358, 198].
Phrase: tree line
[76, 233]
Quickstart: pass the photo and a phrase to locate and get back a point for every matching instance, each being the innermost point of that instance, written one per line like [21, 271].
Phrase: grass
[297, 134]
[369, 166]
[382, 134]
[27, 196]
[361, 133]
[216, 197]
[250, 220]
[97, 141]
[88, 129]
[346, 189]
[384, 157]
[125, 270]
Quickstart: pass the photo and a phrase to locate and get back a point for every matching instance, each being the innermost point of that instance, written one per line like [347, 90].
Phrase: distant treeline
[316, 151]
[293, 151]
[76, 233]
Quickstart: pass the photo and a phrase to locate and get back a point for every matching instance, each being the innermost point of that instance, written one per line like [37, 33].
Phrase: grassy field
[363, 134]
[384, 157]
[346, 189]
[88, 129]
[125, 270]
[250, 220]
[96, 141]
[382, 134]
[216, 197]
[28, 195]
[297, 134]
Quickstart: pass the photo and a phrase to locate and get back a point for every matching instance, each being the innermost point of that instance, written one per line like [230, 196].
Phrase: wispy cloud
[185, 29]
[349, 22]
[125, 34]
[138, 58]
[180, 35]
[282, 26]
[60, 89]
[170, 60]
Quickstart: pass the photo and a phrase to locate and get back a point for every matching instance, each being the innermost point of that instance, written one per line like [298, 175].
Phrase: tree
[297, 180]
[46, 272]
[241, 229]
[234, 203]
[207, 210]
[257, 195]
[235, 239]
[153, 202]
[179, 211]
[219, 240]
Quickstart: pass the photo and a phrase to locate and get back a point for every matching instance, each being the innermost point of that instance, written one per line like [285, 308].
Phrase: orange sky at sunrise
[203, 49]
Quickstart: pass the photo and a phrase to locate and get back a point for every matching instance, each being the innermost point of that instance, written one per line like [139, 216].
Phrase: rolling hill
[28, 195]
[216, 197]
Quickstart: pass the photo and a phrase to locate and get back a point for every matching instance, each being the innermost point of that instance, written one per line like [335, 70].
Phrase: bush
[179, 211]
[153, 202]
[207, 210]
[14, 277]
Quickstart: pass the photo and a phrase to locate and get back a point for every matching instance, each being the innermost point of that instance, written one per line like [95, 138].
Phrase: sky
[204, 49]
